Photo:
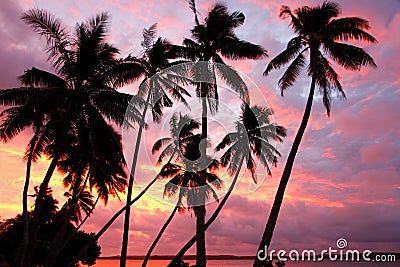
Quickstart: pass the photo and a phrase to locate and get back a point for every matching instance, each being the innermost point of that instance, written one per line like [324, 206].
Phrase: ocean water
[248, 263]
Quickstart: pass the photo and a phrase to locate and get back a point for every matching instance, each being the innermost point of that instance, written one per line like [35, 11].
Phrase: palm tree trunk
[201, 259]
[273, 217]
[125, 235]
[190, 243]
[19, 259]
[110, 222]
[153, 245]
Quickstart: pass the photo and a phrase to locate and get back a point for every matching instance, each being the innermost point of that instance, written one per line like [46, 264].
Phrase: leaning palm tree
[316, 28]
[156, 56]
[212, 40]
[185, 183]
[181, 132]
[253, 137]
[85, 72]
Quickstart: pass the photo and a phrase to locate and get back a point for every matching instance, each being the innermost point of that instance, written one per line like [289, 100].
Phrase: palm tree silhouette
[212, 39]
[253, 136]
[316, 27]
[16, 119]
[50, 206]
[181, 133]
[86, 70]
[84, 204]
[185, 181]
[154, 88]
[99, 158]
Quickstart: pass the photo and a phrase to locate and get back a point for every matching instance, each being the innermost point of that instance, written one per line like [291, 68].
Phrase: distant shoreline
[220, 257]
[188, 257]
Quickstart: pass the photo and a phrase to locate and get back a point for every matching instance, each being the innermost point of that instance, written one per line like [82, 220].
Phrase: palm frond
[292, 72]
[235, 49]
[349, 56]
[149, 37]
[40, 78]
[192, 6]
[45, 24]
[229, 75]
[285, 12]
[350, 28]
[292, 49]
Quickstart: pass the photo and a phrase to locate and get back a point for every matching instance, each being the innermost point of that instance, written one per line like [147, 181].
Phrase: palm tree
[253, 136]
[84, 204]
[181, 131]
[50, 207]
[79, 226]
[212, 39]
[86, 70]
[185, 183]
[16, 119]
[316, 27]
[99, 157]
[156, 57]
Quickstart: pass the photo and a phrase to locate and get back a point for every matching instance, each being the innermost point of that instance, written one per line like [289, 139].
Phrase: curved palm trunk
[201, 259]
[164, 227]
[110, 222]
[19, 259]
[113, 218]
[190, 243]
[125, 236]
[273, 217]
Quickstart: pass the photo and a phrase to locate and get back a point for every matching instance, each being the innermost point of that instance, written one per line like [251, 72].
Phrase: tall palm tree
[253, 136]
[213, 39]
[157, 55]
[317, 28]
[85, 71]
[181, 131]
[185, 183]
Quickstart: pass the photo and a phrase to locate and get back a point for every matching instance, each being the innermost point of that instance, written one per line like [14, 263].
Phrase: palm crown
[213, 39]
[316, 28]
[184, 173]
[253, 136]
[156, 56]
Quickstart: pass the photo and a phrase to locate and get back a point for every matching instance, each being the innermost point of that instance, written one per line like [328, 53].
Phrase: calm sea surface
[248, 263]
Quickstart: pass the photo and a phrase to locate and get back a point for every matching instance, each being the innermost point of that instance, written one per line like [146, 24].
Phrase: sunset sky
[346, 178]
